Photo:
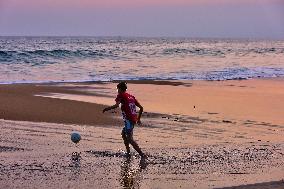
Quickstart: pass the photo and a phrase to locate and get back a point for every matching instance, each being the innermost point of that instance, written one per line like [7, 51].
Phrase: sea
[81, 59]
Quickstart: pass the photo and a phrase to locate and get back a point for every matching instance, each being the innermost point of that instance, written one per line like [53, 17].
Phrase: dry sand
[233, 136]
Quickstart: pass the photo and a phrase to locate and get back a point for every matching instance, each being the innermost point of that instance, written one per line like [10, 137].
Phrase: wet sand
[18, 102]
[209, 146]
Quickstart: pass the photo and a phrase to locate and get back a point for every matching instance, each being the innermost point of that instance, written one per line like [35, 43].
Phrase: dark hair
[122, 86]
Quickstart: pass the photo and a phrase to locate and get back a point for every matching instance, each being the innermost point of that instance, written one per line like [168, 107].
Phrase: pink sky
[186, 18]
[127, 3]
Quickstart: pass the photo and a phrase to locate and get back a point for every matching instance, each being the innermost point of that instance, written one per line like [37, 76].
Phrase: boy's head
[121, 87]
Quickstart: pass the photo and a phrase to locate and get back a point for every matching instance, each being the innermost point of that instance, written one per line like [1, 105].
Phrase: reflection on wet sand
[131, 174]
[75, 165]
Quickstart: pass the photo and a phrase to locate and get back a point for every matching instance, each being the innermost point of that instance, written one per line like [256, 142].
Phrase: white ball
[75, 137]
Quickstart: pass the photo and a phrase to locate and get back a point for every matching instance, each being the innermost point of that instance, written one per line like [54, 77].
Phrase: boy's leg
[134, 144]
[128, 134]
[126, 142]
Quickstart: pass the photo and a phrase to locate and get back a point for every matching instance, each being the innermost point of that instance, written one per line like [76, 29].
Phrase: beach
[197, 134]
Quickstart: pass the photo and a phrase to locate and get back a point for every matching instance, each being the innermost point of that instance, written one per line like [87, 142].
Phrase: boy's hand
[111, 107]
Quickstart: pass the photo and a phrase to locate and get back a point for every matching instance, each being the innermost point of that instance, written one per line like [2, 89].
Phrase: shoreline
[174, 82]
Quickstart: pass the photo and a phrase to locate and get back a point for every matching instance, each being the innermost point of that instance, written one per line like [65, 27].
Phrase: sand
[18, 102]
[197, 134]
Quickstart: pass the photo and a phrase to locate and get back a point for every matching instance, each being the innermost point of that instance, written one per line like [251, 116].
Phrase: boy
[128, 108]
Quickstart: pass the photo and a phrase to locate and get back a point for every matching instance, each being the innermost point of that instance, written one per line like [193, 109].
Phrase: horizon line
[133, 36]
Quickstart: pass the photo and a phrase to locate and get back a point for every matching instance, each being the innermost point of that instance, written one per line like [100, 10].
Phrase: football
[75, 137]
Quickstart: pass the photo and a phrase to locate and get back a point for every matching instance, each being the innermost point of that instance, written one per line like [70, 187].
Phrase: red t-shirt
[128, 106]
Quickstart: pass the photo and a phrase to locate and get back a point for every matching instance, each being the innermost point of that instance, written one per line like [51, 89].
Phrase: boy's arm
[140, 112]
[111, 107]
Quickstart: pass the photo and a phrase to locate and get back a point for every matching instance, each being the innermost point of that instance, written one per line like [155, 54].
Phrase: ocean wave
[118, 53]
[220, 52]
[67, 59]
[193, 51]
[9, 56]
[217, 75]
[242, 73]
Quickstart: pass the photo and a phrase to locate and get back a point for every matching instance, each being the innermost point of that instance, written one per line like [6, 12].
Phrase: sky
[147, 18]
